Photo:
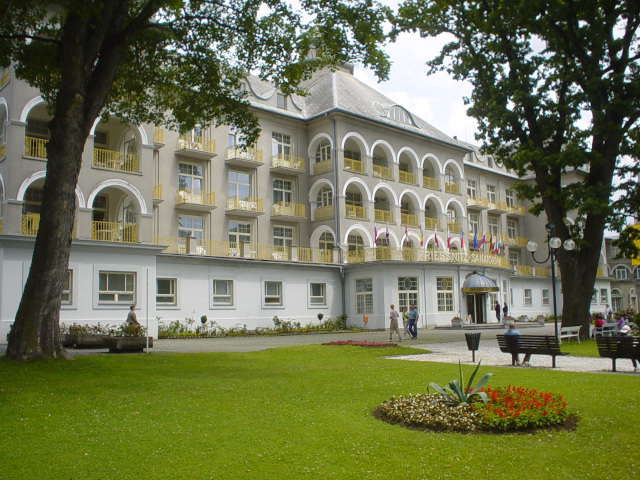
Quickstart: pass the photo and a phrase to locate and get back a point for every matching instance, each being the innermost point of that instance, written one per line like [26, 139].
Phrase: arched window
[323, 152]
[621, 272]
[355, 242]
[326, 241]
[616, 300]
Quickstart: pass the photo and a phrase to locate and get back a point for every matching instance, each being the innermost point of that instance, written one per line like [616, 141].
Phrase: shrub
[454, 393]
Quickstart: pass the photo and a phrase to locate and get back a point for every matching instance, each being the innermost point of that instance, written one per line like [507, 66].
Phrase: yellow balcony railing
[288, 209]
[383, 216]
[501, 206]
[450, 187]
[30, 224]
[524, 270]
[287, 161]
[109, 159]
[323, 213]
[323, 166]
[353, 165]
[541, 271]
[427, 256]
[195, 197]
[477, 201]
[407, 177]
[157, 192]
[408, 219]
[114, 232]
[354, 211]
[454, 227]
[248, 204]
[430, 182]
[382, 172]
[269, 252]
[516, 209]
[357, 256]
[3, 150]
[431, 222]
[35, 147]
[158, 135]
[248, 153]
[1, 224]
[4, 79]
[518, 241]
[199, 247]
[315, 255]
[199, 143]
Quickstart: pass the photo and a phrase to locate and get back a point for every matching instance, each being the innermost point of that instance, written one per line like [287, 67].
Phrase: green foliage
[455, 393]
[128, 330]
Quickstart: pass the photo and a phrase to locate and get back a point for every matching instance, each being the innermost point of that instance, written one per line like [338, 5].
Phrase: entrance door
[475, 306]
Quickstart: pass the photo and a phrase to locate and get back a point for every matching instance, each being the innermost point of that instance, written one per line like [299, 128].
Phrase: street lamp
[553, 244]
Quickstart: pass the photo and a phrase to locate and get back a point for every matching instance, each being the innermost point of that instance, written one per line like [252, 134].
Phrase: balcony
[245, 206]
[513, 241]
[480, 202]
[119, 161]
[430, 182]
[451, 187]
[1, 224]
[157, 194]
[406, 177]
[497, 206]
[30, 224]
[114, 232]
[524, 270]
[383, 216]
[287, 164]
[315, 255]
[323, 167]
[323, 213]
[454, 227]
[353, 165]
[426, 256]
[201, 200]
[516, 210]
[3, 150]
[354, 211]
[287, 210]
[196, 147]
[35, 147]
[382, 172]
[431, 223]
[408, 219]
[158, 135]
[243, 157]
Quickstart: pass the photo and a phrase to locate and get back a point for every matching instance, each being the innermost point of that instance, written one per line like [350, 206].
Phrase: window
[239, 185]
[353, 198]
[281, 101]
[37, 128]
[472, 188]
[67, 288]
[491, 193]
[451, 216]
[514, 258]
[399, 114]
[282, 236]
[614, 251]
[32, 200]
[621, 272]
[528, 298]
[280, 144]
[323, 152]
[273, 293]
[166, 291]
[325, 197]
[282, 190]
[594, 297]
[364, 296]
[474, 222]
[352, 155]
[604, 295]
[223, 292]
[318, 294]
[354, 242]
[326, 241]
[545, 296]
[407, 291]
[444, 286]
[616, 300]
[100, 208]
[510, 197]
[512, 228]
[494, 227]
[190, 227]
[100, 139]
[636, 273]
[117, 287]
[190, 177]
[239, 232]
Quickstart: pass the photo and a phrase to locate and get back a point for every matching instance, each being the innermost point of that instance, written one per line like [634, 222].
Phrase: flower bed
[362, 343]
[509, 409]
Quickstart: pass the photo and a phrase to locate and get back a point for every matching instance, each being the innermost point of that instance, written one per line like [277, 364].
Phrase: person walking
[505, 311]
[131, 317]
[608, 313]
[393, 327]
[413, 321]
[405, 322]
[498, 310]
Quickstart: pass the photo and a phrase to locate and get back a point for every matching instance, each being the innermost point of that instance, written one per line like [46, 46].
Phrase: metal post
[553, 289]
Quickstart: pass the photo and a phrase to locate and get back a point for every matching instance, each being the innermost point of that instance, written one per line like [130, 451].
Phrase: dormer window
[399, 114]
[281, 101]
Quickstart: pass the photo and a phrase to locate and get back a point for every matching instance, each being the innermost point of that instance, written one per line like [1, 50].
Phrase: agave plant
[455, 394]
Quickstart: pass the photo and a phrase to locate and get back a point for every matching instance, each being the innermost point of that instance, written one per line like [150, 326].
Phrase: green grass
[289, 413]
[586, 348]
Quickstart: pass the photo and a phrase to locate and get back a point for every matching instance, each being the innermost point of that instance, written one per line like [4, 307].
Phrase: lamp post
[553, 244]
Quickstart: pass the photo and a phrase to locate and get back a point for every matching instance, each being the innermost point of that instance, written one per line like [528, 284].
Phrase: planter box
[83, 340]
[127, 344]
[456, 322]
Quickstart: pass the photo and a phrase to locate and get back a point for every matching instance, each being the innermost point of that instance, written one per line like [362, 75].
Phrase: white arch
[435, 159]
[360, 139]
[456, 240]
[455, 165]
[123, 185]
[3, 197]
[317, 186]
[412, 235]
[313, 143]
[3, 102]
[413, 194]
[387, 146]
[359, 182]
[458, 204]
[441, 243]
[386, 188]
[37, 176]
[411, 153]
[24, 116]
[438, 201]
[393, 238]
[314, 239]
[362, 231]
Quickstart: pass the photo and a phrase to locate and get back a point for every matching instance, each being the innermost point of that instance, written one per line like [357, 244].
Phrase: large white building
[347, 203]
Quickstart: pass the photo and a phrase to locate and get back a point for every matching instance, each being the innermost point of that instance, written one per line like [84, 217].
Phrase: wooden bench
[570, 332]
[530, 344]
[618, 347]
[607, 330]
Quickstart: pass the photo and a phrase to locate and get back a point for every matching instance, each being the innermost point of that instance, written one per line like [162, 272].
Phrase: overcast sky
[438, 98]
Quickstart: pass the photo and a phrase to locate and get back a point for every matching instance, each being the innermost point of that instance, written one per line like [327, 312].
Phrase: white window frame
[222, 297]
[512, 228]
[363, 288]
[620, 272]
[317, 298]
[281, 101]
[408, 289]
[604, 296]
[120, 297]
[240, 235]
[545, 296]
[527, 297]
[492, 193]
[280, 237]
[172, 295]
[472, 188]
[444, 294]
[272, 294]
[67, 291]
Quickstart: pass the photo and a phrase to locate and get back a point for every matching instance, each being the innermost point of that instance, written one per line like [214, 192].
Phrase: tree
[167, 62]
[556, 92]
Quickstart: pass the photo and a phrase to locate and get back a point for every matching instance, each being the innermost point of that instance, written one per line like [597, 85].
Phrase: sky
[437, 98]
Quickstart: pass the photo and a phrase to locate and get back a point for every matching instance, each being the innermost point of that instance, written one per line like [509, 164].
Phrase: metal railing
[197, 143]
[158, 135]
[431, 222]
[382, 172]
[323, 166]
[315, 255]
[408, 219]
[157, 192]
[430, 182]
[288, 209]
[371, 254]
[477, 201]
[195, 197]
[248, 204]
[323, 213]
[35, 147]
[451, 187]
[288, 161]
[111, 160]
[354, 211]
[248, 153]
[30, 224]
[454, 227]
[114, 232]
[353, 165]
[406, 177]
[384, 216]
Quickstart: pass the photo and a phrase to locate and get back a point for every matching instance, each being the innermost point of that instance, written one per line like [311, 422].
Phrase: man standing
[393, 327]
[498, 310]
[608, 313]
[413, 321]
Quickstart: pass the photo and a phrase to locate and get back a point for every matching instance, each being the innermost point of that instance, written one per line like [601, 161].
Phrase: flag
[482, 240]
[435, 238]
[421, 236]
[375, 233]
[461, 239]
[448, 239]
[386, 237]
[490, 242]
[406, 235]
[475, 237]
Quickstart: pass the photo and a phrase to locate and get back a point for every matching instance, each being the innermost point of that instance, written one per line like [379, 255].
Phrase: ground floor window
[444, 287]
[166, 291]
[364, 296]
[616, 300]
[67, 288]
[545, 296]
[528, 297]
[273, 293]
[604, 295]
[407, 291]
[223, 292]
[117, 287]
[318, 294]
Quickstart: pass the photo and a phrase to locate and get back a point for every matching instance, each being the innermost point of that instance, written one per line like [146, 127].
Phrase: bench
[607, 330]
[570, 332]
[530, 344]
[618, 347]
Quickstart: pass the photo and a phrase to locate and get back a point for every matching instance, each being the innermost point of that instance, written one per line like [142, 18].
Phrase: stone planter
[127, 344]
[456, 323]
[540, 320]
[83, 340]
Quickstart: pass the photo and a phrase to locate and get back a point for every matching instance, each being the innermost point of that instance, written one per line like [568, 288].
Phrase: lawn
[288, 413]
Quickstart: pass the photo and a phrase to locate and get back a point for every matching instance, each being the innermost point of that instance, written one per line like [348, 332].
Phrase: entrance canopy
[477, 283]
